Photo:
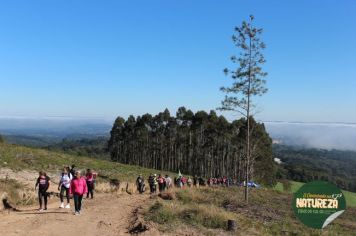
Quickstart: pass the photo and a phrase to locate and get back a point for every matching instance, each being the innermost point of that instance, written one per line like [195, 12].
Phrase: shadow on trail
[46, 212]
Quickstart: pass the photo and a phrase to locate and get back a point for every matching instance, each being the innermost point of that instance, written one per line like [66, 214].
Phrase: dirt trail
[106, 214]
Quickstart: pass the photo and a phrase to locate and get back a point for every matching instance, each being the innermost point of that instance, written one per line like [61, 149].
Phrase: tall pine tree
[247, 81]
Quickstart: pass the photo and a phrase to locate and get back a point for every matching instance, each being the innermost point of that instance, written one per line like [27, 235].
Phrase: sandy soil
[106, 214]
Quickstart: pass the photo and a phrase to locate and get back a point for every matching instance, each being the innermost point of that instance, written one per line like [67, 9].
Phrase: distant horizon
[109, 119]
[326, 135]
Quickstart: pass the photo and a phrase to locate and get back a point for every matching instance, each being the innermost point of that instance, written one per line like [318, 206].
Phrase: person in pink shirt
[90, 183]
[78, 188]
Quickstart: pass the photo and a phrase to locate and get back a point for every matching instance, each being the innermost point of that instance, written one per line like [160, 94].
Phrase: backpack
[72, 172]
[70, 176]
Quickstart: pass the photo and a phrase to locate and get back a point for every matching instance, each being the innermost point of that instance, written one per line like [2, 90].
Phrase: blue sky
[110, 58]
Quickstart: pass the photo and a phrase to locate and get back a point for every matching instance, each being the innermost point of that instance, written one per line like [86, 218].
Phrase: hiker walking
[90, 183]
[161, 182]
[183, 181]
[189, 182]
[140, 182]
[72, 170]
[151, 182]
[78, 188]
[168, 182]
[64, 186]
[224, 181]
[179, 182]
[155, 182]
[43, 182]
[201, 181]
[195, 181]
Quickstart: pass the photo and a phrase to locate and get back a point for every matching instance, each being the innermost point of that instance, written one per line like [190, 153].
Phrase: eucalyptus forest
[200, 143]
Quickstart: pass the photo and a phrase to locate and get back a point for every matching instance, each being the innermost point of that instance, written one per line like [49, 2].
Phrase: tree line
[202, 144]
[309, 164]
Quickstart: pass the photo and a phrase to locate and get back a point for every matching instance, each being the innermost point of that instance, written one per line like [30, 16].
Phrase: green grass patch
[20, 158]
[210, 217]
[350, 198]
[269, 212]
[160, 214]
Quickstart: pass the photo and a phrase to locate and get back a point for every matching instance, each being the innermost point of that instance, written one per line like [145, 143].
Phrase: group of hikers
[223, 181]
[71, 183]
[154, 181]
[163, 183]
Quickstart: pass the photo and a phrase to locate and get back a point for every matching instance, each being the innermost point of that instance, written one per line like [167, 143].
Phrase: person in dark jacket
[140, 183]
[43, 182]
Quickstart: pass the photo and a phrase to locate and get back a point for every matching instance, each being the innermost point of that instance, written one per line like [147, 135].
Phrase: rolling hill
[197, 211]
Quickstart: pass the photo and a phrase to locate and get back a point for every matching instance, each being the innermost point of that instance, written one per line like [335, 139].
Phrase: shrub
[160, 214]
[183, 196]
[287, 185]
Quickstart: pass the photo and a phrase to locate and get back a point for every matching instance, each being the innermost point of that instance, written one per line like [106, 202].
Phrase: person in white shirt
[64, 186]
[168, 182]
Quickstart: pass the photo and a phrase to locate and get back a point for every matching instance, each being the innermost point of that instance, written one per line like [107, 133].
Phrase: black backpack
[70, 175]
[72, 172]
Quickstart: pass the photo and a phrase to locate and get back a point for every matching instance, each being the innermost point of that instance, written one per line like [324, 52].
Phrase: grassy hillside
[19, 158]
[202, 211]
[206, 211]
[350, 196]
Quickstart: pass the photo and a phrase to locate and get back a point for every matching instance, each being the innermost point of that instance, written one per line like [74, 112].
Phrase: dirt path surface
[106, 214]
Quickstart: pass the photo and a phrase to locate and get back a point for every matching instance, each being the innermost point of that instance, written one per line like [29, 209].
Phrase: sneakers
[40, 210]
[77, 213]
[62, 205]
[67, 206]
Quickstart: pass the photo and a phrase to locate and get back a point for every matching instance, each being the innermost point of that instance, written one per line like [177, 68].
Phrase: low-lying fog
[318, 135]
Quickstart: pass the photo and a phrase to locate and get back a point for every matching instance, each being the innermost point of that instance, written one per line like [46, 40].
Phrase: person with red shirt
[78, 188]
[161, 182]
[90, 183]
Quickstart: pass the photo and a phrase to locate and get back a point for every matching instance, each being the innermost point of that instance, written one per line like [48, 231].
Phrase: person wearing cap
[78, 188]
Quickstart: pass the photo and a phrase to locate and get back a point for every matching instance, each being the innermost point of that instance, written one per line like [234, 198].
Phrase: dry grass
[16, 193]
[19, 158]
[206, 211]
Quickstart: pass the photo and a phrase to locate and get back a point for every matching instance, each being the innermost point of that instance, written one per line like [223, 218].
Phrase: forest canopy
[202, 144]
[309, 164]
